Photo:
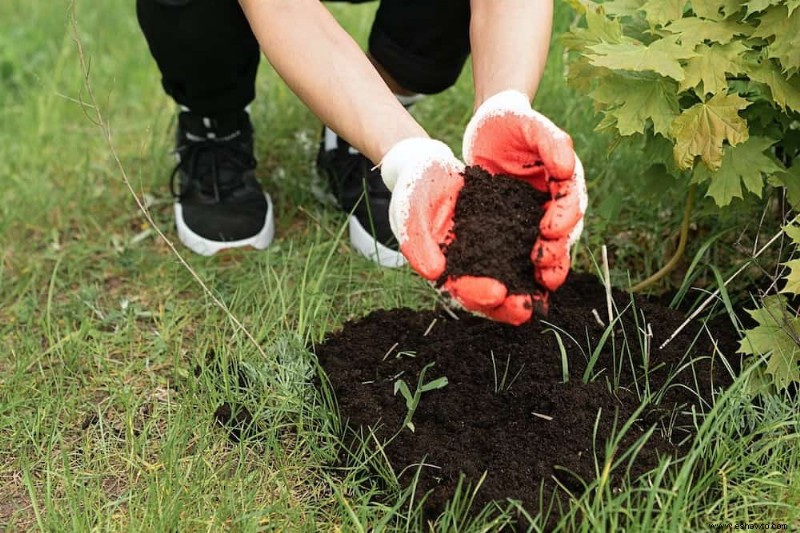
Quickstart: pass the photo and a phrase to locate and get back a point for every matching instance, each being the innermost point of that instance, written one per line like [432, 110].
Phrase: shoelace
[222, 154]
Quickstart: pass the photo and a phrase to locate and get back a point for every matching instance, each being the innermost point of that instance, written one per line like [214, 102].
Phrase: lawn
[115, 353]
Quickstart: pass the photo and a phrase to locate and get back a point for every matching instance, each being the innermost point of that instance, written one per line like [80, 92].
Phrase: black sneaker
[357, 188]
[219, 203]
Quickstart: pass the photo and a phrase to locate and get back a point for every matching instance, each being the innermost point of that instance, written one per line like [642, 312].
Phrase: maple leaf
[715, 9]
[662, 56]
[693, 30]
[583, 76]
[599, 29]
[711, 66]
[623, 8]
[784, 90]
[745, 163]
[661, 12]
[793, 231]
[775, 336]
[755, 6]
[633, 101]
[703, 128]
[793, 277]
[789, 179]
[780, 27]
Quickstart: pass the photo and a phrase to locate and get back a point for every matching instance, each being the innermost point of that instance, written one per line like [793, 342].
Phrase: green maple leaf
[661, 12]
[712, 65]
[694, 30]
[662, 56]
[716, 9]
[623, 8]
[785, 91]
[755, 6]
[780, 28]
[793, 277]
[789, 179]
[703, 128]
[582, 76]
[775, 336]
[793, 231]
[745, 164]
[599, 29]
[634, 101]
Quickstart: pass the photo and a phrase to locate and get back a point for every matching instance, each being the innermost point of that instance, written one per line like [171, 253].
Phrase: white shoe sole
[365, 244]
[201, 245]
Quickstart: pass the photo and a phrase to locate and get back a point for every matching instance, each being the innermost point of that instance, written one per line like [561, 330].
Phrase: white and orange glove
[504, 137]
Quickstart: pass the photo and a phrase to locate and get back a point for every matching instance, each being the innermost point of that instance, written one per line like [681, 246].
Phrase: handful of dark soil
[496, 224]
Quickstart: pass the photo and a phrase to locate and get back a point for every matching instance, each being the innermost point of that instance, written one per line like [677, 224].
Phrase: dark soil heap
[535, 429]
[496, 223]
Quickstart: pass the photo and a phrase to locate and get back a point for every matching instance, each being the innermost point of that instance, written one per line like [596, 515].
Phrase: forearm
[329, 72]
[510, 40]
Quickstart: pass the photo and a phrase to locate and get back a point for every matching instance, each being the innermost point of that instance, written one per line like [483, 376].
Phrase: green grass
[107, 387]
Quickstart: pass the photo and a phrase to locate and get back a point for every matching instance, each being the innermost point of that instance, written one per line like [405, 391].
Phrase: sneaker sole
[365, 244]
[203, 246]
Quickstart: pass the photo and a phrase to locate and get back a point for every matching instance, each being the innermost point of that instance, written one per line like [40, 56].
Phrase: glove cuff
[406, 155]
[510, 101]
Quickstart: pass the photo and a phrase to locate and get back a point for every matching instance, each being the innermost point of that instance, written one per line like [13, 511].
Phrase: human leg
[208, 59]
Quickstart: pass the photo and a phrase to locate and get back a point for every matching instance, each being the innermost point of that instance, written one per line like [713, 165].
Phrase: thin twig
[598, 319]
[389, 351]
[433, 323]
[607, 283]
[105, 129]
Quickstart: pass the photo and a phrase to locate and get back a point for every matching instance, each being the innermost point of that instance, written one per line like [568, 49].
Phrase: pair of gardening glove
[505, 136]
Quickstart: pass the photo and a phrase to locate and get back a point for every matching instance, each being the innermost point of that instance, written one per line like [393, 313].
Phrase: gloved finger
[515, 310]
[551, 278]
[421, 215]
[552, 145]
[476, 293]
[427, 227]
[565, 210]
[551, 262]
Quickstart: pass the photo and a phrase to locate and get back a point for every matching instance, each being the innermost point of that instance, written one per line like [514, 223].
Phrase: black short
[208, 56]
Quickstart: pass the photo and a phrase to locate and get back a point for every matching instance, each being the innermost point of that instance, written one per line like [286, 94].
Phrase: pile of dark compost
[537, 429]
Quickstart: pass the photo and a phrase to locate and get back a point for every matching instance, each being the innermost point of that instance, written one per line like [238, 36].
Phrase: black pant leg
[423, 44]
[205, 50]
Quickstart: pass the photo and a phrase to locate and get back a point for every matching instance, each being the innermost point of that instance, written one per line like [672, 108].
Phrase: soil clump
[495, 226]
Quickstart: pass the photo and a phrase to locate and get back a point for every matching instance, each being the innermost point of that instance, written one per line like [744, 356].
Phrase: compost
[495, 225]
[507, 409]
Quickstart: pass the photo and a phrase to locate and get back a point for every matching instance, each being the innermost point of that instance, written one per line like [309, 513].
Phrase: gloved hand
[425, 179]
[506, 136]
